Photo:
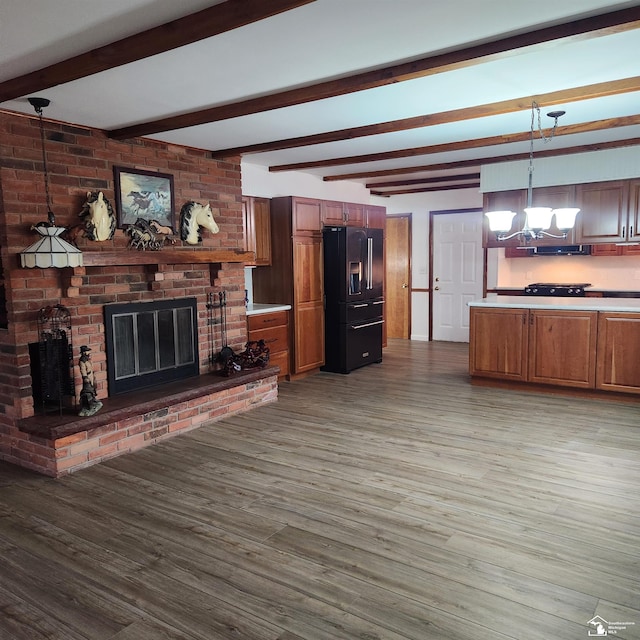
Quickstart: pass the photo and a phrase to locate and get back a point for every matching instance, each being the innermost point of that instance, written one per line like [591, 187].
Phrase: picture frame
[144, 194]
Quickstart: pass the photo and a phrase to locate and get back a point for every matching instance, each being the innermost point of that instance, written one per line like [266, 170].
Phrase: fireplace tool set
[256, 353]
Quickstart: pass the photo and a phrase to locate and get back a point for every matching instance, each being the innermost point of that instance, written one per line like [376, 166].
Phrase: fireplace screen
[150, 343]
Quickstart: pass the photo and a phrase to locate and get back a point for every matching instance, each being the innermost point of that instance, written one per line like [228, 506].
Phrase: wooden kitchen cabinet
[499, 343]
[375, 217]
[541, 346]
[562, 347]
[342, 214]
[603, 213]
[257, 228]
[618, 352]
[295, 277]
[273, 328]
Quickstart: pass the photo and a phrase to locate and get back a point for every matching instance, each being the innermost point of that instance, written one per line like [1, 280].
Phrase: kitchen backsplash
[620, 273]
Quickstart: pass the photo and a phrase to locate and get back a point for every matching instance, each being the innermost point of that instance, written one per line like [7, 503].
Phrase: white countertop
[257, 308]
[543, 302]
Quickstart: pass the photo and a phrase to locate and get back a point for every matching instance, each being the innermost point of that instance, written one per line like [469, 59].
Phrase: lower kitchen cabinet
[273, 328]
[540, 346]
[562, 347]
[499, 343]
[618, 367]
[568, 348]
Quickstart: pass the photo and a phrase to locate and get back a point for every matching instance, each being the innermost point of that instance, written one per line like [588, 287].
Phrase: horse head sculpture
[98, 216]
[193, 217]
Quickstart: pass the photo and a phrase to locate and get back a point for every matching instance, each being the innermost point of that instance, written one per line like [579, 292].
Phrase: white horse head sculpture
[100, 221]
[194, 216]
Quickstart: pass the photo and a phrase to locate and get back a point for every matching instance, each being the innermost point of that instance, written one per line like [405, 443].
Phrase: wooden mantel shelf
[165, 256]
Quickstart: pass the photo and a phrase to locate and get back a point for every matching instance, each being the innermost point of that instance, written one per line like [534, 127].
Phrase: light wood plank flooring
[398, 502]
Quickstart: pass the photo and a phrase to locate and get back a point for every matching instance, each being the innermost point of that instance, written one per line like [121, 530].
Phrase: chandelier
[537, 219]
[50, 250]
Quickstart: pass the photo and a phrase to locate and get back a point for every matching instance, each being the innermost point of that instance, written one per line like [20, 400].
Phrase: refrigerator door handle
[369, 263]
[358, 306]
[378, 302]
[368, 324]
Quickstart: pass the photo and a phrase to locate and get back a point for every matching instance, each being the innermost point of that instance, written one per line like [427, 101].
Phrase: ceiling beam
[443, 187]
[507, 138]
[597, 146]
[588, 92]
[171, 35]
[404, 183]
[592, 27]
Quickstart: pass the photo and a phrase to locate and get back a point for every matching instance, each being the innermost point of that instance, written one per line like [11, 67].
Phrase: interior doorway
[457, 271]
[398, 276]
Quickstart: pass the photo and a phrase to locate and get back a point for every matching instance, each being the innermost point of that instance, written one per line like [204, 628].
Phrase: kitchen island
[584, 343]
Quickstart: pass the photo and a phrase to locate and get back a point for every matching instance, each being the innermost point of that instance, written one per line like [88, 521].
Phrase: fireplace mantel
[165, 256]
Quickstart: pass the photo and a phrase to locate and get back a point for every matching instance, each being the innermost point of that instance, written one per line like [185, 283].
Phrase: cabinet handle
[624, 231]
[630, 231]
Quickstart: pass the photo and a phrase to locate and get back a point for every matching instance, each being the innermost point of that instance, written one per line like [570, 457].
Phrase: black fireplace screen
[150, 343]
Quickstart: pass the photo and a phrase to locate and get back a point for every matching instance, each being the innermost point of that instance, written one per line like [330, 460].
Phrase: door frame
[432, 215]
[409, 216]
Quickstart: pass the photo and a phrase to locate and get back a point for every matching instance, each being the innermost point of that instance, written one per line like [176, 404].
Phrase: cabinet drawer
[281, 360]
[264, 320]
[276, 338]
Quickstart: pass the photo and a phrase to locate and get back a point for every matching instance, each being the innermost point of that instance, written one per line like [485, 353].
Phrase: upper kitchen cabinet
[257, 228]
[504, 201]
[375, 217]
[342, 214]
[604, 213]
[306, 214]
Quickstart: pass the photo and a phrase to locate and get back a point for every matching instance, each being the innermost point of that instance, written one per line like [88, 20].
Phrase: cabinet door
[308, 347]
[603, 212]
[333, 214]
[262, 231]
[633, 219]
[498, 343]
[354, 214]
[618, 352]
[503, 201]
[306, 215]
[375, 217]
[562, 347]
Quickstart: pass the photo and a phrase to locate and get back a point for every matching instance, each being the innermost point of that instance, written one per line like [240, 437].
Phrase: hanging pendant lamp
[50, 250]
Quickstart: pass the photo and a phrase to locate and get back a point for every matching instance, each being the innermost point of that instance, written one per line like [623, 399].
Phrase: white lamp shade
[500, 221]
[565, 218]
[539, 217]
[51, 251]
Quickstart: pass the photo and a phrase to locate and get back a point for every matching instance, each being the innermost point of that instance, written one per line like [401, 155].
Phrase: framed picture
[144, 194]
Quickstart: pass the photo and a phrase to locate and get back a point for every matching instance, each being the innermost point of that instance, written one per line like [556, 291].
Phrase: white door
[457, 273]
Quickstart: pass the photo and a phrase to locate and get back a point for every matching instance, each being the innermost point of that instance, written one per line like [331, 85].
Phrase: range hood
[561, 250]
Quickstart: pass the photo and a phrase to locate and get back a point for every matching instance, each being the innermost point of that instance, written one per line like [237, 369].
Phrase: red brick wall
[79, 160]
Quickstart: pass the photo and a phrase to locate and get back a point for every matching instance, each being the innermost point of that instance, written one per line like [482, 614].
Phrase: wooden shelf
[165, 256]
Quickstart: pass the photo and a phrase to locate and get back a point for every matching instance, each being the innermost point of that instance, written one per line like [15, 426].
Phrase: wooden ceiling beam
[597, 146]
[508, 138]
[171, 35]
[443, 187]
[591, 27]
[588, 92]
[406, 183]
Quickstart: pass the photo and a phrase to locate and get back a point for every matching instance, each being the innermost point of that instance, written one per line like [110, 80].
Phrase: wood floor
[397, 502]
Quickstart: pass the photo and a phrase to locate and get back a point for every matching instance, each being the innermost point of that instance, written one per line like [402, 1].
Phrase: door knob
[436, 288]
[437, 279]
[404, 285]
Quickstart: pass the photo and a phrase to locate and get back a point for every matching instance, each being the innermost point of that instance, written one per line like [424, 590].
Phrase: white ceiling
[320, 41]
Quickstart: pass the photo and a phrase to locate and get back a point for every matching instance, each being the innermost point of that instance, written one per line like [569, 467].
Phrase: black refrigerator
[354, 303]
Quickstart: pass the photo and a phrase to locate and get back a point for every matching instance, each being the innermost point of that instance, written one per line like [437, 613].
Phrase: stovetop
[556, 289]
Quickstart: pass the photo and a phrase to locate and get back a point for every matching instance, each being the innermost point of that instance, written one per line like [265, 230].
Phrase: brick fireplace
[81, 160]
